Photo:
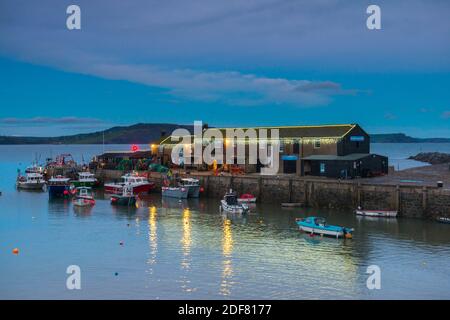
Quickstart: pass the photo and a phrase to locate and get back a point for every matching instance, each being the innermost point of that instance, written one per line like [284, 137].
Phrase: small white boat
[32, 181]
[230, 204]
[376, 213]
[175, 192]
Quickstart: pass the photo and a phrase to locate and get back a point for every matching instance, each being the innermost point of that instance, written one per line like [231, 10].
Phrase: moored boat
[247, 198]
[31, 181]
[83, 197]
[193, 186]
[318, 225]
[85, 179]
[230, 204]
[127, 198]
[175, 192]
[443, 220]
[139, 185]
[58, 186]
[376, 213]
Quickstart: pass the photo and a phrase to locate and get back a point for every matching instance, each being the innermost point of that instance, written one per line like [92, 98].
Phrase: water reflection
[227, 252]
[186, 242]
[82, 212]
[152, 237]
[58, 206]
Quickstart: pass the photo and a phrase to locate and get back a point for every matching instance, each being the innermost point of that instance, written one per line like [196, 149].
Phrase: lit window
[317, 143]
[322, 167]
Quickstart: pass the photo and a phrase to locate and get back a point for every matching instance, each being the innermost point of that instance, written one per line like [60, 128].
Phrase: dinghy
[318, 225]
[376, 213]
[443, 220]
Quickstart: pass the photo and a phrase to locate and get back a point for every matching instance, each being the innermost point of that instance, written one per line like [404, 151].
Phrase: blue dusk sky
[227, 63]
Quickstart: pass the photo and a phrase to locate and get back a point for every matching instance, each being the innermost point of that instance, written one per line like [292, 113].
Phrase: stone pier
[410, 200]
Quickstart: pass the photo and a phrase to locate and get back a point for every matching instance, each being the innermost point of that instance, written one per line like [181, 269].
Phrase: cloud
[228, 87]
[37, 121]
[390, 116]
[202, 50]
[446, 115]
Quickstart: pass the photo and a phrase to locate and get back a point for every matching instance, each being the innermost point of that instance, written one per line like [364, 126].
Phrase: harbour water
[188, 250]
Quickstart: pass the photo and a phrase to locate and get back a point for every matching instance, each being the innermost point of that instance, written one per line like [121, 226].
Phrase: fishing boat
[230, 204]
[175, 192]
[193, 186]
[318, 225]
[247, 198]
[31, 181]
[85, 179]
[376, 213]
[127, 198]
[443, 220]
[139, 185]
[83, 197]
[58, 186]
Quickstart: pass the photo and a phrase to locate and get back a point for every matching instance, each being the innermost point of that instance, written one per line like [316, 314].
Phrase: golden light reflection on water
[227, 251]
[152, 235]
[186, 242]
[187, 239]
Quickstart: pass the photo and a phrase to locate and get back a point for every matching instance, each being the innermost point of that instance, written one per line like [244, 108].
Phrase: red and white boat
[247, 198]
[138, 183]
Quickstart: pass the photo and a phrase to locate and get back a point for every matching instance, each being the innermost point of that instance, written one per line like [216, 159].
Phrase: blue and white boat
[318, 225]
[58, 186]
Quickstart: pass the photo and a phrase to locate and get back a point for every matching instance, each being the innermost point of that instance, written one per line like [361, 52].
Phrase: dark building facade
[341, 150]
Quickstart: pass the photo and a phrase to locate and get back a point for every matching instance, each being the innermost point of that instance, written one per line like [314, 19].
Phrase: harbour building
[337, 151]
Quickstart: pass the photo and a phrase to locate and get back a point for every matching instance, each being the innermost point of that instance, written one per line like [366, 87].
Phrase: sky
[227, 63]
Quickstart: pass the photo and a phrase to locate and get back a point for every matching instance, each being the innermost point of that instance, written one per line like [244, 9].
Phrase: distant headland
[144, 133]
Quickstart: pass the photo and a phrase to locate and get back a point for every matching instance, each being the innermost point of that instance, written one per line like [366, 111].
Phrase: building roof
[322, 131]
[319, 131]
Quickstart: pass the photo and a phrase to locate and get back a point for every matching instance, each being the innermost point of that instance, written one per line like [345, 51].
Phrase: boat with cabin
[85, 179]
[127, 198]
[318, 225]
[137, 183]
[58, 186]
[83, 197]
[376, 213]
[193, 186]
[230, 204]
[31, 181]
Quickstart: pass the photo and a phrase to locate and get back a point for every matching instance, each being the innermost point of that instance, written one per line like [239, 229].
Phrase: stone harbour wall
[411, 201]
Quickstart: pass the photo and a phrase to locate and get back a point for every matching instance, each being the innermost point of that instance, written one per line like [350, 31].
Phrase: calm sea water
[187, 250]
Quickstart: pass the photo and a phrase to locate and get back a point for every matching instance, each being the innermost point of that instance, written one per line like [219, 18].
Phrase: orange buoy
[16, 251]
